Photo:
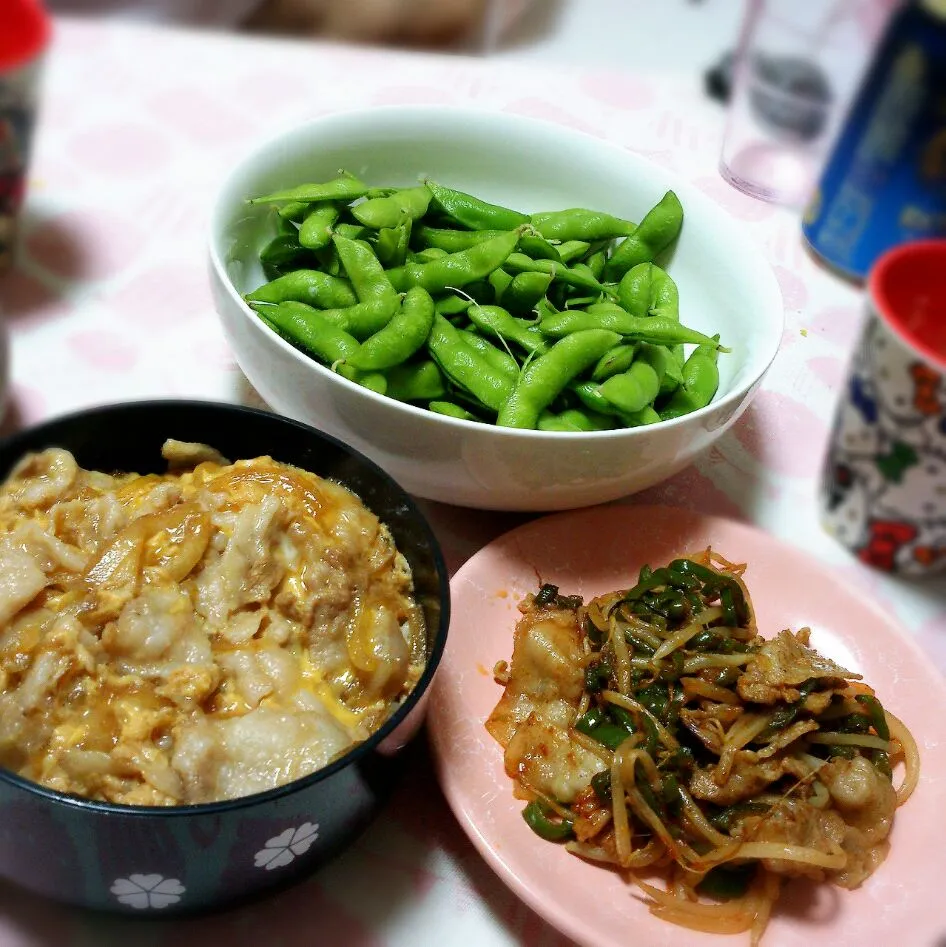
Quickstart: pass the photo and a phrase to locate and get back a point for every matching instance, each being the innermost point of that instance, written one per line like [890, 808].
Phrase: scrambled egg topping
[200, 635]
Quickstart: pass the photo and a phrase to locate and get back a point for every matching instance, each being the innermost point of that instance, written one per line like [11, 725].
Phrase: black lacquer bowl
[151, 861]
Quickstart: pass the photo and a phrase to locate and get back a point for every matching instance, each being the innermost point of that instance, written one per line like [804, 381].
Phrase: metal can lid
[25, 33]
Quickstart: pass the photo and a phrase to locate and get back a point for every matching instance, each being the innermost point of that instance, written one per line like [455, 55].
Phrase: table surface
[110, 302]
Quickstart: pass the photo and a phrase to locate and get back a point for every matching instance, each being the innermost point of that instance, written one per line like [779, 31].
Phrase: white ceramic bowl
[725, 284]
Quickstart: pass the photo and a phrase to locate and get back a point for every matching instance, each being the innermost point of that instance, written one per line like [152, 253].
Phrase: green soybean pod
[472, 212]
[574, 420]
[579, 223]
[283, 254]
[452, 241]
[632, 390]
[456, 270]
[583, 270]
[647, 290]
[328, 261]
[616, 319]
[415, 381]
[481, 292]
[646, 415]
[466, 367]
[538, 248]
[664, 363]
[573, 250]
[544, 378]
[318, 289]
[520, 263]
[545, 310]
[498, 358]
[351, 231]
[452, 305]
[524, 291]
[590, 396]
[286, 228]
[294, 211]
[367, 275]
[450, 410]
[346, 187]
[381, 213]
[500, 280]
[606, 316]
[401, 337]
[699, 386]
[316, 229]
[391, 245]
[363, 319]
[596, 263]
[373, 381]
[658, 229]
[613, 362]
[306, 329]
[496, 322]
[428, 254]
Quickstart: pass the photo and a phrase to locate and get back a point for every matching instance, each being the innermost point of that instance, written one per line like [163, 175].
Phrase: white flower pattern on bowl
[147, 891]
[285, 847]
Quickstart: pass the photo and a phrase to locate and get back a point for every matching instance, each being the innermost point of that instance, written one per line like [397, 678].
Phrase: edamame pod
[314, 287]
[467, 368]
[455, 270]
[646, 290]
[381, 213]
[346, 187]
[652, 236]
[543, 379]
[305, 328]
[579, 223]
[474, 213]
[403, 335]
[316, 229]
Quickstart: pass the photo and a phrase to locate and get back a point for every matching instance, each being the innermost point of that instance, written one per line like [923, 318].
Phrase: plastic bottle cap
[25, 32]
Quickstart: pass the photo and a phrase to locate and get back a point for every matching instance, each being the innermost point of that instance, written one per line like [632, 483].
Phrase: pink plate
[595, 550]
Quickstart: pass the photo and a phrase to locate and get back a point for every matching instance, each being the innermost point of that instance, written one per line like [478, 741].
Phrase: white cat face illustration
[900, 379]
[851, 486]
[918, 496]
[856, 434]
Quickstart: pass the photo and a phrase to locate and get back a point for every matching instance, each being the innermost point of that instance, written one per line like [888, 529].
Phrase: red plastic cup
[25, 29]
[884, 489]
[908, 290]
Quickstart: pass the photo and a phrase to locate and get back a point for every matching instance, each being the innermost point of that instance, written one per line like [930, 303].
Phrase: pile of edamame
[557, 321]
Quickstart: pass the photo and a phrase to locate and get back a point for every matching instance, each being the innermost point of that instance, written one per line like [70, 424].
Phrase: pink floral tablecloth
[110, 301]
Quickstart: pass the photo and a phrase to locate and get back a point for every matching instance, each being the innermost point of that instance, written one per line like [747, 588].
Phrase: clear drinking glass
[797, 67]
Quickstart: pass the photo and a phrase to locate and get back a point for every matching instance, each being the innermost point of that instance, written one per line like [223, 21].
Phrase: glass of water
[797, 67]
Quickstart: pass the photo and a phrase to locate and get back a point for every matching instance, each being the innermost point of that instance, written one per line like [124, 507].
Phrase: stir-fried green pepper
[726, 882]
[875, 712]
[597, 676]
[601, 784]
[538, 819]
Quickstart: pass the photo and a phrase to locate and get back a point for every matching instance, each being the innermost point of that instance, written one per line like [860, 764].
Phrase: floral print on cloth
[147, 891]
[885, 474]
[284, 848]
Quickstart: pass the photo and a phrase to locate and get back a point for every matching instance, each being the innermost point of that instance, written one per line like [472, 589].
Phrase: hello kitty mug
[884, 484]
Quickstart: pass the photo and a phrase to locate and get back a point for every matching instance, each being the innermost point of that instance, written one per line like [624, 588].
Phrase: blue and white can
[885, 182]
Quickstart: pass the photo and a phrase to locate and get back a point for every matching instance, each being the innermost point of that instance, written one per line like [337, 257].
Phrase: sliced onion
[866, 740]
